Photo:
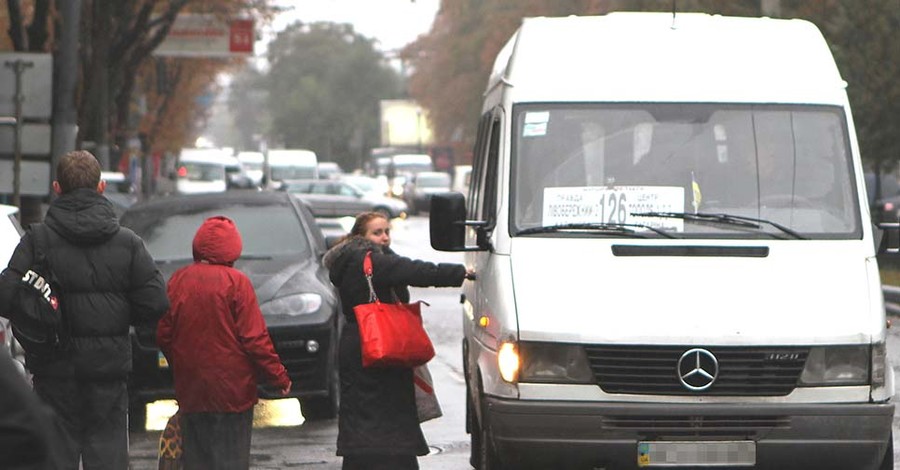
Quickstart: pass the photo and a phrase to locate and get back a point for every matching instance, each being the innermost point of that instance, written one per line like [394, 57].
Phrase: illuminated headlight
[554, 363]
[840, 365]
[508, 362]
[296, 304]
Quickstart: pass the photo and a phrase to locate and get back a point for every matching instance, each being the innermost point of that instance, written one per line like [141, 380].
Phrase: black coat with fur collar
[378, 406]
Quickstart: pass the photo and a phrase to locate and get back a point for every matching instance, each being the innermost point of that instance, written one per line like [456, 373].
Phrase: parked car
[201, 170]
[252, 164]
[329, 170]
[377, 185]
[330, 198]
[419, 187]
[290, 164]
[282, 256]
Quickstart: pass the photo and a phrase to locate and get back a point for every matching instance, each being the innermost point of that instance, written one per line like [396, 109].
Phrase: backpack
[36, 315]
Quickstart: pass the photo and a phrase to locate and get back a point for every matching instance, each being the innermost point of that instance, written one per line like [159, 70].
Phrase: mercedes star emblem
[697, 369]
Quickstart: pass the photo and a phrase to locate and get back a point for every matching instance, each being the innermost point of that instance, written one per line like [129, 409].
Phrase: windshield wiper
[600, 227]
[255, 257]
[728, 219]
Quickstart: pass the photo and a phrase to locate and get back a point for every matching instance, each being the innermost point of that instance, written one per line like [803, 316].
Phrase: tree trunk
[14, 8]
[37, 30]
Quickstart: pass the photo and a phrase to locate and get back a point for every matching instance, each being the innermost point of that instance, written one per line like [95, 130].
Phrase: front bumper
[606, 435]
[310, 372]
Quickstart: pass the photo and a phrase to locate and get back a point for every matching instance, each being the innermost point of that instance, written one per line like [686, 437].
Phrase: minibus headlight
[554, 363]
[840, 365]
[508, 362]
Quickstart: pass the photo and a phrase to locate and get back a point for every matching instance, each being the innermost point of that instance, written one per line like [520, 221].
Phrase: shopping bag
[427, 404]
[170, 444]
[391, 334]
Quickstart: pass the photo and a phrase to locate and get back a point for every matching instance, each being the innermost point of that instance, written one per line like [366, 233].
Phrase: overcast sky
[392, 23]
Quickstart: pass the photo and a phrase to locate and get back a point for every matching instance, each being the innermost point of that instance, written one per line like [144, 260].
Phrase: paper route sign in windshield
[613, 204]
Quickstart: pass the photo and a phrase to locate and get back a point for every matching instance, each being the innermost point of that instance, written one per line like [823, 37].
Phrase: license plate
[694, 453]
[161, 360]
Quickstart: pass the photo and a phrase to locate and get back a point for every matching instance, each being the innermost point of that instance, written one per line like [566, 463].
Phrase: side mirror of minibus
[887, 238]
[447, 220]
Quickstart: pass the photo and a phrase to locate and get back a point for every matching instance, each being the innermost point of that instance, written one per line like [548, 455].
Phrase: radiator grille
[712, 427]
[743, 371]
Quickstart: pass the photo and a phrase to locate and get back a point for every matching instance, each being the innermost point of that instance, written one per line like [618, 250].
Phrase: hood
[802, 292]
[83, 217]
[271, 278]
[217, 241]
[336, 259]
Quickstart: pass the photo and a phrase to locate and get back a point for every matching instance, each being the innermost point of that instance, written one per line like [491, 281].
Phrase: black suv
[282, 256]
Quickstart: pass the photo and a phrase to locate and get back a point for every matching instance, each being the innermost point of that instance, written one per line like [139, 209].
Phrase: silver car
[330, 198]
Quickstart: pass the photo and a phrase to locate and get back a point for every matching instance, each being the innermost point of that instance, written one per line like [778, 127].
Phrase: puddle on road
[266, 414]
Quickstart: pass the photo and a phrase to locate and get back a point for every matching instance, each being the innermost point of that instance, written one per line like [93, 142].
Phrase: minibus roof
[651, 57]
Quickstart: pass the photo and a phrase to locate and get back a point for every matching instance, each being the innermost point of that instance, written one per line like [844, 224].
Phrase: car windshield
[610, 163]
[280, 173]
[266, 231]
[364, 184]
[433, 181]
[197, 171]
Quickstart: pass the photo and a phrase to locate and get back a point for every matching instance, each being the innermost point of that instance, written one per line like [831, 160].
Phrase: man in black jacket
[106, 281]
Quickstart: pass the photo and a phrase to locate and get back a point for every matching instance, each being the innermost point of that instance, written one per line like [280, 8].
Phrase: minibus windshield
[616, 163]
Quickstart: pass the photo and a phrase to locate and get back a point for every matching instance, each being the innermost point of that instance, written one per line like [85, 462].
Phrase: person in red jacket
[216, 341]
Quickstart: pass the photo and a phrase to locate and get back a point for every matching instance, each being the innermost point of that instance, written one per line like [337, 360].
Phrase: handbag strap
[367, 270]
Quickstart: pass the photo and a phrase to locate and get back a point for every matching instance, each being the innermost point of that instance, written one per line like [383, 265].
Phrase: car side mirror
[447, 222]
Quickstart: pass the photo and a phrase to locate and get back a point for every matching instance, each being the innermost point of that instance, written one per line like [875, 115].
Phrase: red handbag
[391, 334]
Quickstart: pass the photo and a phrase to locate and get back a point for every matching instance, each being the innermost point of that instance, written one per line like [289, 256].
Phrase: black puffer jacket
[107, 281]
[378, 406]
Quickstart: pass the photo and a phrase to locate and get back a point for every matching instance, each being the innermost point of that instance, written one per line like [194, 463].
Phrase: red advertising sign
[241, 37]
[198, 35]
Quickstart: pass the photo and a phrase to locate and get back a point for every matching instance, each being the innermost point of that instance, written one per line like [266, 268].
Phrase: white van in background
[252, 164]
[290, 164]
[201, 170]
[674, 256]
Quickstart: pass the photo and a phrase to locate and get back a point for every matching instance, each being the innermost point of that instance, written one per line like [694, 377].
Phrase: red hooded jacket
[213, 334]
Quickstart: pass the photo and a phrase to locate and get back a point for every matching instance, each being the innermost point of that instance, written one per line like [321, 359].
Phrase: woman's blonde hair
[359, 226]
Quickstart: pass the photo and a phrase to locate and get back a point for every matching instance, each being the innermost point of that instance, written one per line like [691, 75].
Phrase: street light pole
[18, 67]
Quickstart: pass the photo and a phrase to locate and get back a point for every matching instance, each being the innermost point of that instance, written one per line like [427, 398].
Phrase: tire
[137, 416]
[887, 463]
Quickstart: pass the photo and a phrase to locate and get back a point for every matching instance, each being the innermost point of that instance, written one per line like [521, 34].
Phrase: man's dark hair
[78, 169]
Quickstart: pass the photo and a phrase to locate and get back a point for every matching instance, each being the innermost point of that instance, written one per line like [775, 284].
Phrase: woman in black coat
[378, 426]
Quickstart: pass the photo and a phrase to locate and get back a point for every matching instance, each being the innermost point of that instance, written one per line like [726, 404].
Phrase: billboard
[196, 35]
[404, 124]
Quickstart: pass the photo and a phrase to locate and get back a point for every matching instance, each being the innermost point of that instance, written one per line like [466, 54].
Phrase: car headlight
[508, 362]
[295, 304]
[554, 363]
[839, 365]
